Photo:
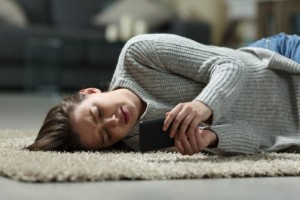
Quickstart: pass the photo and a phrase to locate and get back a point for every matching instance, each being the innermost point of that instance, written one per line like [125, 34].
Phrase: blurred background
[55, 46]
[49, 48]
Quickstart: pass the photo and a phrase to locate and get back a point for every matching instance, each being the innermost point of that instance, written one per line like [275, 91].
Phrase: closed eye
[100, 114]
[107, 133]
[104, 132]
[93, 116]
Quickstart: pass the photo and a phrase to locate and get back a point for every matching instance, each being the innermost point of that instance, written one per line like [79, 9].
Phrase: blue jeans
[286, 45]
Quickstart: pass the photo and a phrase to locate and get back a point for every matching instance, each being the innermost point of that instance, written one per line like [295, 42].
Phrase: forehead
[81, 122]
[80, 111]
[81, 117]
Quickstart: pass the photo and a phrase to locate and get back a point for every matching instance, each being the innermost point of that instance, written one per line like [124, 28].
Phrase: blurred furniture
[213, 12]
[276, 16]
[61, 50]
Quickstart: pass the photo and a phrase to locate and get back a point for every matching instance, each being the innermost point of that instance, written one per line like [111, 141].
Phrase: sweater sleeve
[223, 76]
[241, 137]
[238, 137]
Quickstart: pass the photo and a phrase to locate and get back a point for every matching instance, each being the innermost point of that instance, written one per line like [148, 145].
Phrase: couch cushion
[103, 54]
[14, 42]
[37, 11]
[76, 13]
[11, 76]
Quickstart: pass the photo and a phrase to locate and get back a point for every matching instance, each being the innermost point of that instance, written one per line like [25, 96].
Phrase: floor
[26, 111]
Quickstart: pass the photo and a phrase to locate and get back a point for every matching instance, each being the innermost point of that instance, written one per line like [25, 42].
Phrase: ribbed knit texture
[253, 92]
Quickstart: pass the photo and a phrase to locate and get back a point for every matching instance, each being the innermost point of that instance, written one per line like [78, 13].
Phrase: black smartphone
[152, 137]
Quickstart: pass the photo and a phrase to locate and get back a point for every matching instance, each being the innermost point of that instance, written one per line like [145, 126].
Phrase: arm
[224, 77]
[238, 137]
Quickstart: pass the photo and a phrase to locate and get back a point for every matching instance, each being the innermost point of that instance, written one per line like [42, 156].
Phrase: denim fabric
[286, 45]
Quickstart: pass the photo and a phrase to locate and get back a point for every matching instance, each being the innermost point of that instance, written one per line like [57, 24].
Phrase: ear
[88, 91]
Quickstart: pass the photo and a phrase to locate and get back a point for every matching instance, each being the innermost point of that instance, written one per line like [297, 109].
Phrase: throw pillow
[12, 14]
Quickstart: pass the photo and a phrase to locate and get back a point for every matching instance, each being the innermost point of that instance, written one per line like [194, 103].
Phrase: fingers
[180, 118]
[186, 144]
[185, 116]
[178, 145]
[185, 125]
[194, 142]
[191, 136]
[172, 118]
[182, 145]
[183, 121]
[201, 143]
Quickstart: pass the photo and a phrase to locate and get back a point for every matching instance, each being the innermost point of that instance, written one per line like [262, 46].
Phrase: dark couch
[61, 50]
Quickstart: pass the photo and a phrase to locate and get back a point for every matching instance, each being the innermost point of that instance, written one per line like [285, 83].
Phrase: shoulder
[161, 38]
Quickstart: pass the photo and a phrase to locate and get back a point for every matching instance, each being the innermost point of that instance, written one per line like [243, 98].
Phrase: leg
[286, 45]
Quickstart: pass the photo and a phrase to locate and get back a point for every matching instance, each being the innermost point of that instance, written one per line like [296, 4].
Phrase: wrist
[205, 111]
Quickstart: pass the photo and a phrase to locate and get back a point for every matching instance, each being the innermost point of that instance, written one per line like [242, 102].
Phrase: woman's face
[102, 119]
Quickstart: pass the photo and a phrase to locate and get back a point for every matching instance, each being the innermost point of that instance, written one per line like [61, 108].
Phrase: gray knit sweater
[254, 93]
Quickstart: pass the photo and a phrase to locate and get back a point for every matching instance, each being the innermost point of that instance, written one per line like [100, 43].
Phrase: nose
[111, 122]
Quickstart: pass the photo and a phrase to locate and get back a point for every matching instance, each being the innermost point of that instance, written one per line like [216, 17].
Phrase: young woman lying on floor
[249, 97]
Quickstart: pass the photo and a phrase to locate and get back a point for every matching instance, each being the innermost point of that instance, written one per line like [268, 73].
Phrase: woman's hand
[185, 118]
[201, 139]
[183, 121]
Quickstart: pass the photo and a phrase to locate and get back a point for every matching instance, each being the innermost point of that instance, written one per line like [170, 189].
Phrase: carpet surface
[100, 166]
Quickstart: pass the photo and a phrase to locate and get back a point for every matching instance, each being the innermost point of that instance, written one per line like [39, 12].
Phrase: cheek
[121, 132]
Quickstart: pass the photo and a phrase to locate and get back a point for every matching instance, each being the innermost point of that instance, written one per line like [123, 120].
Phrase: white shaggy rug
[100, 166]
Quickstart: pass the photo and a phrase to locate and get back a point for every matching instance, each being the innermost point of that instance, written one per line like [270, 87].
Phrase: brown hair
[56, 133]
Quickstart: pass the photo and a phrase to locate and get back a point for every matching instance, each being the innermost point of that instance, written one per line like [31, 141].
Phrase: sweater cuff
[238, 137]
